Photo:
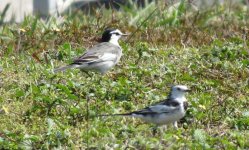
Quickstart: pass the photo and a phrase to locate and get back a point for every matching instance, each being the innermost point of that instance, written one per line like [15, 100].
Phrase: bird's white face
[115, 36]
[179, 90]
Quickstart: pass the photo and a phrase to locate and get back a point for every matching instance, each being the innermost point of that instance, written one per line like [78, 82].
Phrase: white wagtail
[167, 111]
[101, 57]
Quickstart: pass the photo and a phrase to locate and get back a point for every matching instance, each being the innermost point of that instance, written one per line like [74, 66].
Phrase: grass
[206, 50]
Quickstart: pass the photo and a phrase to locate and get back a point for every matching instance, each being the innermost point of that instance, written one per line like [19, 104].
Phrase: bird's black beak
[125, 34]
[188, 90]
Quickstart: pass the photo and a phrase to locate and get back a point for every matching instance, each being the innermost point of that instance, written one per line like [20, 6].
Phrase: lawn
[205, 49]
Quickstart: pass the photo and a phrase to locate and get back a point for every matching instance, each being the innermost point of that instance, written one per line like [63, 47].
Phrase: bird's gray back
[104, 47]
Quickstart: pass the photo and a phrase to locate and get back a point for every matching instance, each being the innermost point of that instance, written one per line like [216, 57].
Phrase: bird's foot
[175, 125]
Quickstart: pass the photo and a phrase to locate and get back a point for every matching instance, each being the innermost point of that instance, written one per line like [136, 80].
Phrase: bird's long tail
[61, 69]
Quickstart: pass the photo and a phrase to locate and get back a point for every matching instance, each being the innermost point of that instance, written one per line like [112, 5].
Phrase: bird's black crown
[106, 36]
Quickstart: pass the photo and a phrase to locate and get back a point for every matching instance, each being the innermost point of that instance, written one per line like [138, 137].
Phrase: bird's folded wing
[155, 109]
[163, 108]
[101, 52]
[95, 57]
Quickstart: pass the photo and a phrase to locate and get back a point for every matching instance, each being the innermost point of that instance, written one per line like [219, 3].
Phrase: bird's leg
[154, 130]
[175, 125]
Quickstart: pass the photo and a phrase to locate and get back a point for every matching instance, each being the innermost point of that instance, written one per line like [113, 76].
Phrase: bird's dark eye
[178, 89]
[116, 33]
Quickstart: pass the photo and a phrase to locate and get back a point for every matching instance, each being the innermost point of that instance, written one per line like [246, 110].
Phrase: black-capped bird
[101, 57]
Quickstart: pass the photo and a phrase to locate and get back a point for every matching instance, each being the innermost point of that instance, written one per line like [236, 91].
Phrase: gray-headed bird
[170, 110]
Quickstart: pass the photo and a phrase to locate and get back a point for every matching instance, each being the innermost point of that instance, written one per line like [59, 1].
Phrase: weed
[204, 49]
